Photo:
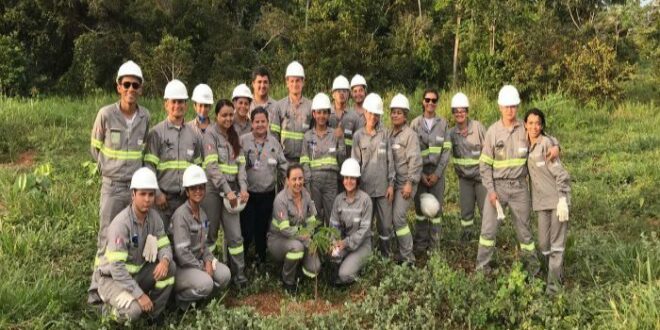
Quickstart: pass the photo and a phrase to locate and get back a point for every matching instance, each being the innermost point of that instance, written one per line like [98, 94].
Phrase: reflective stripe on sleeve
[292, 135]
[163, 241]
[295, 255]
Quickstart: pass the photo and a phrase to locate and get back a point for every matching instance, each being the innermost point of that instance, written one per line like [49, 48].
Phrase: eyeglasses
[178, 101]
[128, 84]
[198, 187]
[458, 111]
[430, 100]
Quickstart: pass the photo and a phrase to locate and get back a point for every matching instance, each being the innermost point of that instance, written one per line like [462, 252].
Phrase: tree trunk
[492, 38]
[419, 6]
[457, 39]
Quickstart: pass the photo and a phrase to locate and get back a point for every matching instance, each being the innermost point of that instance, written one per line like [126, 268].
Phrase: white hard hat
[242, 91]
[175, 90]
[373, 103]
[351, 168]
[400, 101]
[193, 176]
[321, 102]
[202, 94]
[233, 210]
[295, 69]
[144, 178]
[340, 82]
[508, 96]
[358, 80]
[460, 100]
[129, 68]
[429, 205]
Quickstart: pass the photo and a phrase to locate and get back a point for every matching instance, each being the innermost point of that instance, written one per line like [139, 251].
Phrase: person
[172, 146]
[408, 168]
[136, 272]
[198, 271]
[117, 144]
[242, 98]
[202, 98]
[293, 114]
[358, 93]
[351, 215]
[227, 194]
[503, 170]
[265, 167]
[260, 91]
[372, 150]
[323, 149]
[435, 145]
[340, 116]
[294, 221]
[551, 194]
[467, 138]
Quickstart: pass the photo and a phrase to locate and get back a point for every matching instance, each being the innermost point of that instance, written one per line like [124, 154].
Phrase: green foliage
[12, 65]
[35, 183]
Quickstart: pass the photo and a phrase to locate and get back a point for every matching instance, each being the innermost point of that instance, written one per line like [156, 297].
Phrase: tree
[12, 66]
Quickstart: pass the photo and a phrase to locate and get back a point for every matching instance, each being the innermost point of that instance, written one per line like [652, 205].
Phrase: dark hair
[260, 71]
[539, 113]
[312, 122]
[292, 167]
[232, 136]
[258, 110]
[431, 90]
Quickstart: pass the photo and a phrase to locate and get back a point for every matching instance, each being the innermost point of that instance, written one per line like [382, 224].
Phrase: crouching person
[351, 215]
[136, 272]
[198, 272]
[294, 218]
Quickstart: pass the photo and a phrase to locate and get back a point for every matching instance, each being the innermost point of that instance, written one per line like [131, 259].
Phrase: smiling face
[350, 183]
[296, 180]
[295, 85]
[242, 106]
[460, 115]
[430, 103]
[321, 117]
[534, 126]
[225, 117]
[261, 86]
[340, 96]
[372, 119]
[196, 193]
[126, 88]
[176, 109]
[260, 124]
[358, 93]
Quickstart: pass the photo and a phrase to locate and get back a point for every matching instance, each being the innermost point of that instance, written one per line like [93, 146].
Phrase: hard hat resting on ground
[241, 91]
[129, 68]
[321, 102]
[400, 101]
[373, 104]
[429, 205]
[175, 90]
[144, 178]
[193, 176]
[202, 94]
[340, 82]
[508, 96]
[295, 69]
[358, 80]
[350, 168]
[460, 100]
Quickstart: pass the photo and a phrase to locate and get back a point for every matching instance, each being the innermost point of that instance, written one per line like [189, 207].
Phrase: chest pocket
[399, 150]
[115, 138]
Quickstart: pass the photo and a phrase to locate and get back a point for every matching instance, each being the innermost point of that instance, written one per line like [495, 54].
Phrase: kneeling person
[199, 272]
[136, 272]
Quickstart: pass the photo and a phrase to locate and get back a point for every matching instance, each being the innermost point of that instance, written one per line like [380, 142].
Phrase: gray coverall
[549, 181]
[321, 157]
[293, 120]
[435, 146]
[408, 168]
[122, 267]
[349, 122]
[503, 170]
[170, 150]
[284, 240]
[226, 173]
[189, 235]
[374, 153]
[242, 129]
[353, 220]
[466, 151]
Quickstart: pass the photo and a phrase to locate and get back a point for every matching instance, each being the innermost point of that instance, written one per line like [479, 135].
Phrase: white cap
[321, 102]
[508, 96]
[295, 69]
[400, 101]
[340, 82]
[129, 68]
[144, 178]
[242, 91]
[234, 210]
[460, 100]
[429, 205]
[202, 94]
[358, 80]
[351, 168]
[373, 103]
[193, 176]
[175, 90]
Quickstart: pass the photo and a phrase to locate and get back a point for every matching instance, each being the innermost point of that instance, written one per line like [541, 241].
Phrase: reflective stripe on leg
[486, 242]
[527, 247]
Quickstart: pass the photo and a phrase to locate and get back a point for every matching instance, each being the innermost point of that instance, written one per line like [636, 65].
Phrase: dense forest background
[586, 48]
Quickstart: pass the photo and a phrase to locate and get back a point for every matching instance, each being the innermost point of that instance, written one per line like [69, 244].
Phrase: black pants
[255, 221]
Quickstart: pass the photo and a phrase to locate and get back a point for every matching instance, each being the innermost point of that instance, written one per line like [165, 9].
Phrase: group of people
[271, 172]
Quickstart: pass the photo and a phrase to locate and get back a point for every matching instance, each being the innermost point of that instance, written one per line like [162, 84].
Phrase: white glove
[150, 252]
[214, 263]
[124, 299]
[500, 211]
[562, 209]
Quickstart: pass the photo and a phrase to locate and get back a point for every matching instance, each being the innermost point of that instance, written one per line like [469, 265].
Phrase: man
[117, 144]
[136, 272]
[172, 147]
[293, 114]
[358, 93]
[260, 90]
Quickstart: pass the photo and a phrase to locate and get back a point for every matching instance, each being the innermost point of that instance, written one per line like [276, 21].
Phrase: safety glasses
[128, 84]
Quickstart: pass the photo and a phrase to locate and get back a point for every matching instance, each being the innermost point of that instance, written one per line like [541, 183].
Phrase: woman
[372, 150]
[294, 220]
[242, 98]
[225, 167]
[351, 215]
[322, 150]
[198, 271]
[408, 169]
[202, 98]
[550, 186]
[264, 161]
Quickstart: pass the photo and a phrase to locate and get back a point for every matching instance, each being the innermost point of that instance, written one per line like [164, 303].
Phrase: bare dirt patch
[25, 159]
